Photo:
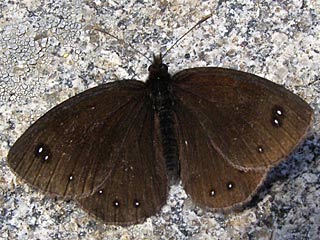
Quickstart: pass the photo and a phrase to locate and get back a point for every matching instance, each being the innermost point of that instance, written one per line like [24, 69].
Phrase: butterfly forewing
[251, 122]
[137, 186]
[69, 151]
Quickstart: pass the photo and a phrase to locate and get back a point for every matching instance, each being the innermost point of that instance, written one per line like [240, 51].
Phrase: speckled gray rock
[49, 52]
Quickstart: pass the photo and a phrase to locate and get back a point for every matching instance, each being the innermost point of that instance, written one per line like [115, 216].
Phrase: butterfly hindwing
[137, 186]
[208, 178]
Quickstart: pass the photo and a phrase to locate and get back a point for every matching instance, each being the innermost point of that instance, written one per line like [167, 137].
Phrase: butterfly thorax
[159, 82]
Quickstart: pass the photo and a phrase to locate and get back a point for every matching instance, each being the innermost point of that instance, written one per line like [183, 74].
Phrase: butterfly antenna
[196, 25]
[120, 41]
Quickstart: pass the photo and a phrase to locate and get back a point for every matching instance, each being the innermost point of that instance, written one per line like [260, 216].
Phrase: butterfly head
[158, 68]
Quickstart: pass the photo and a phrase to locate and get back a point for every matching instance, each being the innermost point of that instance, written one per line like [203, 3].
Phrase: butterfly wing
[252, 121]
[137, 186]
[208, 178]
[238, 126]
[70, 151]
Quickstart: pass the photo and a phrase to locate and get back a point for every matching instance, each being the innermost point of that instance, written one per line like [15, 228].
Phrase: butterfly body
[117, 147]
[158, 83]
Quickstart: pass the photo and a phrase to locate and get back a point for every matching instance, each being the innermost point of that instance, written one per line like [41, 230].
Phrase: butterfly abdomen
[168, 139]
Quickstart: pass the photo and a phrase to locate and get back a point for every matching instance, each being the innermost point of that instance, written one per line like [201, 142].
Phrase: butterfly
[116, 148]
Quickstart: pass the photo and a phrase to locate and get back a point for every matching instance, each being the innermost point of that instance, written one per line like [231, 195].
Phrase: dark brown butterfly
[117, 147]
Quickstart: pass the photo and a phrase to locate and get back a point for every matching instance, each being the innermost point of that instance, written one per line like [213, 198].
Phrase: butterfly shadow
[298, 162]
